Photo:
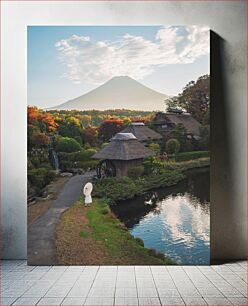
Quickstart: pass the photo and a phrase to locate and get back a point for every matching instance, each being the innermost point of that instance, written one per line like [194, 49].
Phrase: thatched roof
[191, 124]
[141, 132]
[123, 146]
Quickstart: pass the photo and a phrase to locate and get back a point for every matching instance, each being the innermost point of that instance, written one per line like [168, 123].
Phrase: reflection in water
[173, 220]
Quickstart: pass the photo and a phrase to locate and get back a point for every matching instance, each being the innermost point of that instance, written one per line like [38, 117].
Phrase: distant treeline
[96, 117]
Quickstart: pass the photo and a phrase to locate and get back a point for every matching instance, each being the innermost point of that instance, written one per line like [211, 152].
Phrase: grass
[93, 235]
[74, 242]
[83, 234]
[120, 246]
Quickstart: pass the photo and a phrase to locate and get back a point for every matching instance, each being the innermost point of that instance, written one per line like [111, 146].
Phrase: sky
[65, 62]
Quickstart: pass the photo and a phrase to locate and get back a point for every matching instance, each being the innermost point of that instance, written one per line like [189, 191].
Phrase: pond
[173, 220]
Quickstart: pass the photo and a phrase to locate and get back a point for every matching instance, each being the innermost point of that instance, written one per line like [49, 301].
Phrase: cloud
[95, 62]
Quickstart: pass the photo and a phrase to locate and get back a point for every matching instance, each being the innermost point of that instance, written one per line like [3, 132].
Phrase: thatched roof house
[165, 122]
[124, 151]
[142, 132]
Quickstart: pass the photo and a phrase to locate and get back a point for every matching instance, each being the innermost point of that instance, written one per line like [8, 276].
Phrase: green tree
[172, 146]
[85, 120]
[70, 127]
[155, 147]
[66, 144]
[179, 133]
[195, 99]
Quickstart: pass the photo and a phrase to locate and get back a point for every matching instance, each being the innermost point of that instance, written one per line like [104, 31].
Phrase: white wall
[228, 180]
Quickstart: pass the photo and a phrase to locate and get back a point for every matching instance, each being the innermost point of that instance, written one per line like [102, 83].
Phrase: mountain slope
[119, 92]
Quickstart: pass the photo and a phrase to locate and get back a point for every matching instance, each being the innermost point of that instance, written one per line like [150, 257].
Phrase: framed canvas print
[118, 145]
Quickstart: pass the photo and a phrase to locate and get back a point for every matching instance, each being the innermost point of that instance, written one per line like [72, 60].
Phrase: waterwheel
[105, 168]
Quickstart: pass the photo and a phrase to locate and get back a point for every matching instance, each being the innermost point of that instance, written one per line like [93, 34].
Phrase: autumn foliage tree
[144, 120]
[44, 121]
[90, 136]
[48, 122]
[40, 140]
[32, 114]
[40, 125]
[109, 128]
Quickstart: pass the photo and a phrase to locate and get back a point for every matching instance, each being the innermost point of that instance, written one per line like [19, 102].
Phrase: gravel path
[41, 234]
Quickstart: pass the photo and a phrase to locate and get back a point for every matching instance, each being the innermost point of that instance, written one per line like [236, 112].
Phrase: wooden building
[143, 133]
[120, 154]
[165, 122]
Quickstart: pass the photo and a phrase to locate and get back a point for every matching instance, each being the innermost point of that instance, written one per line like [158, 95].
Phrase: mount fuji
[121, 92]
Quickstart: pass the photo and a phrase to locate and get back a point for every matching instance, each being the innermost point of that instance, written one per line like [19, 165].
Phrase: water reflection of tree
[151, 198]
[132, 211]
[194, 201]
[196, 188]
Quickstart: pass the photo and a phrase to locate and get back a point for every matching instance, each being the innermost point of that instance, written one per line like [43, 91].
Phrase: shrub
[153, 165]
[172, 146]
[122, 188]
[66, 165]
[184, 156]
[167, 178]
[115, 188]
[89, 164]
[39, 178]
[180, 161]
[148, 165]
[38, 157]
[188, 164]
[84, 155]
[63, 156]
[66, 144]
[33, 161]
[136, 171]
[155, 147]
